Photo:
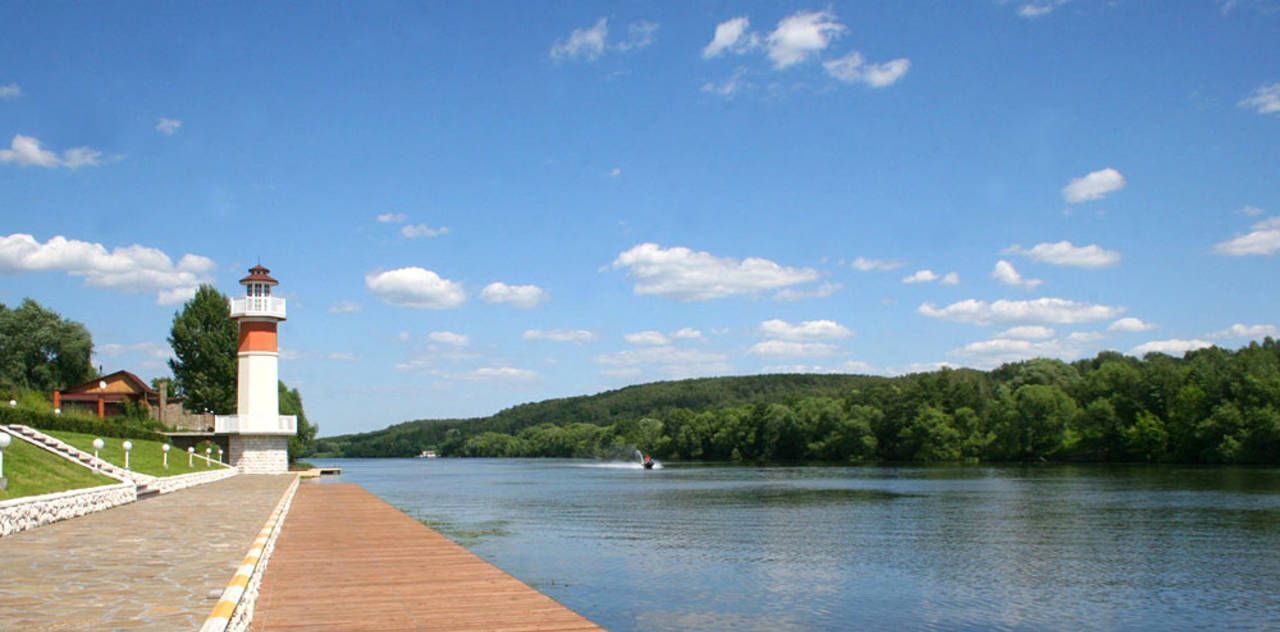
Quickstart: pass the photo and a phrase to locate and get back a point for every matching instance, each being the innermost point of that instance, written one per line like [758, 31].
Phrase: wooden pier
[347, 560]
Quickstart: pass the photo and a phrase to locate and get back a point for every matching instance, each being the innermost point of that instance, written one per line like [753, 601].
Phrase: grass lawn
[32, 471]
[146, 456]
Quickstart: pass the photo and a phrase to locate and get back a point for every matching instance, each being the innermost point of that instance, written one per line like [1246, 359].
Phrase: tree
[40, 350]
[204, 339]
[291, 404]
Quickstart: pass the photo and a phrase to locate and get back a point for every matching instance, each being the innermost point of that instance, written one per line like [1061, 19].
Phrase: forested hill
[633, 402]
[1211, 405]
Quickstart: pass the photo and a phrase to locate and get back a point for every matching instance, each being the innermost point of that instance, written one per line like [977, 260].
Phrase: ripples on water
[825, 548]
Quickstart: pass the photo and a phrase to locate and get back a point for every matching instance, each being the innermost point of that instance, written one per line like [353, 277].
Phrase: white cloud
[1264, 239]
[501, 374]
[1173, 346]
[522, 296]
[801, 35]
[1027, 332]
[807, 330]
[1005, 273]
[412, 231]
[1039, 8]
[391, 218]
[997, 351]
[671, 361]
[10, 91]
[1094, 186]
[731, 35]
[153, 350]
[345, 307]
[129, 268]
[921, 276]
[639, 35]
[822, 291]
[853, 68]
[615, 172]
[1064, 253]
[25, 151]
[589, 43]
[928, 276]
[559, 335]
[449, 338]
[687, 333]
[864, 264]
[729, 87]
[415, 287]
[168, 126]
[1044, 310]
[1251, 211]
[403, 336]
[788, 348]
[687, 275]
[1253, 332]
[1265, 100]
[848, 366]
[1130, 325]
[584, 43]
[655, 338]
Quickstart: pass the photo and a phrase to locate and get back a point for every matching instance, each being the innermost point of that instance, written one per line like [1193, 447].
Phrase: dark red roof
[139, 386]
[260, 274]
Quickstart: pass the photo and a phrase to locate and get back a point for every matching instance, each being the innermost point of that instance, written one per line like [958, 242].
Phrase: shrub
[109, 427]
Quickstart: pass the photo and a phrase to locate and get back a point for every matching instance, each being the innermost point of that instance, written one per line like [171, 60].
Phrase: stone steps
[76, 455]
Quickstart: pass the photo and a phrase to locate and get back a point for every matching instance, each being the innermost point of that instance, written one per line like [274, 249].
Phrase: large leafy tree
[204, 338]
[291, 404]
[40, 350]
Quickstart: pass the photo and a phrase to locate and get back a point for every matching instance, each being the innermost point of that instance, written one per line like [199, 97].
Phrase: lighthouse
[258, 435]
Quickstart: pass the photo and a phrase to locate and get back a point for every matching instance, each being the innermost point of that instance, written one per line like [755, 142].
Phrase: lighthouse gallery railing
[284, 424]
[257, 306]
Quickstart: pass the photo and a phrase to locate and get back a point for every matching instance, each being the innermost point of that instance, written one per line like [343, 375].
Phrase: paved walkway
[346, 560]
[157, 564]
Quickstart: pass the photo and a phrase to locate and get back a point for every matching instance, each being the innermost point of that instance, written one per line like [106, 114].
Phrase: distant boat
[427, 454]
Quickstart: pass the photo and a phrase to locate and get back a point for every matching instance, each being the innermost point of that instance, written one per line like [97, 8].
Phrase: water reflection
[716, 547]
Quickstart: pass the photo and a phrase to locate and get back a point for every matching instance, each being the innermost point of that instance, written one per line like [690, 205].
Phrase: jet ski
[647, 462]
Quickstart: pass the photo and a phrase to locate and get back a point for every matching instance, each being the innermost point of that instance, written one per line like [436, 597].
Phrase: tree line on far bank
[1212, 405]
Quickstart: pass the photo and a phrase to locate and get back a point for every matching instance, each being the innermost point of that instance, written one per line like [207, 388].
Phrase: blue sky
[472, 206]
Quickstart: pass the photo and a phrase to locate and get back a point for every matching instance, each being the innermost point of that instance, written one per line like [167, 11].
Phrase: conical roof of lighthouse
[259, 274]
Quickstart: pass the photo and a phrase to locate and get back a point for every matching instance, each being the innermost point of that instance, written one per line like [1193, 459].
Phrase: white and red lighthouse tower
[258, 435]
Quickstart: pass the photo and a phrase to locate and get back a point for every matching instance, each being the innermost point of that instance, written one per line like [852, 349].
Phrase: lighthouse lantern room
[258, 435]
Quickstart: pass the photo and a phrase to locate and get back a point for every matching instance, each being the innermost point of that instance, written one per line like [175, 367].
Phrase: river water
[836, 548]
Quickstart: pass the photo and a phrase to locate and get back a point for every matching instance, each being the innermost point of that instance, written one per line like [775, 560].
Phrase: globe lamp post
[191, 454]
[97, 445]
[128, 445]
[165, 449]
[207, 453]
[4, 443]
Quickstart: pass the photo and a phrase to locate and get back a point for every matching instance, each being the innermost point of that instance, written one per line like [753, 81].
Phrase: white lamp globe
[128, 445]
[4, 440]
[165, 447]
[57, 411]
[98, 443]
[13, 403]
[102, 384]
[191, 449]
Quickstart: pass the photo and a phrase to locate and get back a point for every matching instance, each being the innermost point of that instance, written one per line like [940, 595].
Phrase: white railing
[231, 424]
[257, 306]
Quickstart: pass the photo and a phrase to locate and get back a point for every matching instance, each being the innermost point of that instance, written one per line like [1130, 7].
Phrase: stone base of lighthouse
[259, 454]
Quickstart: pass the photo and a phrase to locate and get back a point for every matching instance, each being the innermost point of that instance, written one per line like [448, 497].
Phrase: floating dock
[347, 560]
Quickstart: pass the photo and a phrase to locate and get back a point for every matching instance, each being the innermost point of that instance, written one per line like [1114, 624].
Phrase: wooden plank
[346, 560]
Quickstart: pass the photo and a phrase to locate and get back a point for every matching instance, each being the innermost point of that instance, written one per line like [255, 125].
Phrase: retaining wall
[20, 514]
[168, 484]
